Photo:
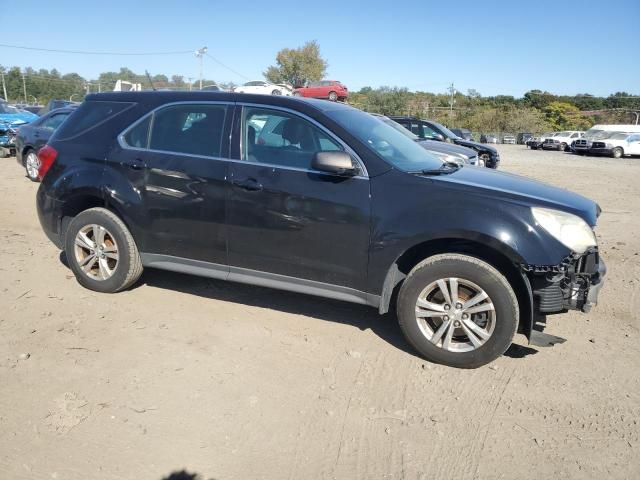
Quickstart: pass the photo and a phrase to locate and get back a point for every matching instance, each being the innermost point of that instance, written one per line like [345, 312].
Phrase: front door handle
[250, 184]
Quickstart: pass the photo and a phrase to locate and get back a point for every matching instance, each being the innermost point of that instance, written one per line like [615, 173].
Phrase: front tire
[102, 252]
[458, 310]
[563, 147]
[617, 152]
[32, 165]
[276, 92]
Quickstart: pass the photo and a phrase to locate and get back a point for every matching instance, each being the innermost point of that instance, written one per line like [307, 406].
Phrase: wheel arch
[84, 201]
[495, 253]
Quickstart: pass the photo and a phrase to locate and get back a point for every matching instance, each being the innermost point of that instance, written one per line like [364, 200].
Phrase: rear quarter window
[89, 115]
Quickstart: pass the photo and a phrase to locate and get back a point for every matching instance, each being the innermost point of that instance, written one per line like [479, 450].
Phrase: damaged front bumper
[573, 285]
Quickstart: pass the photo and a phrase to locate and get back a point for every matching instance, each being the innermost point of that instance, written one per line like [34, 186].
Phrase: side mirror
[335, 162]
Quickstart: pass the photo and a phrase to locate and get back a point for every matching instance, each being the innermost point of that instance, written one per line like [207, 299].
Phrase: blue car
[11, 119]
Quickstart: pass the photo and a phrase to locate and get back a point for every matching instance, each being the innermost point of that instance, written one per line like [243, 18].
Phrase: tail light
[46, 155]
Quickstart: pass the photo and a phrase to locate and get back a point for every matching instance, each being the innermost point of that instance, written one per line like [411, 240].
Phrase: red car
[331, 89]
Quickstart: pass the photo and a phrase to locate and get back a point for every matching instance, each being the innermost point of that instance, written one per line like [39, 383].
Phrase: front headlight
[567, 228]
[608, 145]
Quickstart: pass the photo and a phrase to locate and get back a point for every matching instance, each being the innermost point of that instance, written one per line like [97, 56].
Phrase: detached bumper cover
[573, 285]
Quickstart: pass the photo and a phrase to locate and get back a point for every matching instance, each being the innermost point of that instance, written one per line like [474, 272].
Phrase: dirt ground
[229, 381]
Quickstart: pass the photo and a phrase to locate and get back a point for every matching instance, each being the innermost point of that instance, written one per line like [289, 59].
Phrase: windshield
[6, 108]
[389, 143]
[618, 136]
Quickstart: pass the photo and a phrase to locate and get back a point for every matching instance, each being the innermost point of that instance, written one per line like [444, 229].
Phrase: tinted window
[428, 132]
[54, 121]
[89, 115]
[193, 129]
[138, 136]
[279, 138]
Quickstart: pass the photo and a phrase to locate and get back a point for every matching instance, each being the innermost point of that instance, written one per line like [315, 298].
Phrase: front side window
[191, 128]
[275, 137]
[428, 132]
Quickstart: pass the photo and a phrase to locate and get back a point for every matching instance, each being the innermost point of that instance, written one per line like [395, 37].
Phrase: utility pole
[200, 53]
[190, 82]
[24, 88]
[452, 92]
[4, 87]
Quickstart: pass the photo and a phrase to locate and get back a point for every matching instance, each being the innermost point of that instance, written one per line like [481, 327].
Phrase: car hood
[449, 148]
[474, 145]
[523, 190]
[17, 119]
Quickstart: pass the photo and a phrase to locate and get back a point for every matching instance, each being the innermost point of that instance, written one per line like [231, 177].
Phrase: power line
[225, 66]
[84, 52]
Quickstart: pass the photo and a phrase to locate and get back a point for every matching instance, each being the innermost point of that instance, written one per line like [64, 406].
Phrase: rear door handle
[137, 164]
[250, 184]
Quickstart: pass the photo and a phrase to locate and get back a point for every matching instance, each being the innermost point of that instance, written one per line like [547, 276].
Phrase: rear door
[176, 158]
[286, 219]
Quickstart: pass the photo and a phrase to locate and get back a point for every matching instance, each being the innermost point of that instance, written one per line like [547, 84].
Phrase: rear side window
[89, 115]
[54, 121]
[138, 136]
[192, 128]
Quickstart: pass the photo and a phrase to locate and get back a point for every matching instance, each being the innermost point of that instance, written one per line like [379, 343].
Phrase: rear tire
[333, 96]
[102, 252]
[617, 152]
[276, 92]
[32, 165]
[495, 321]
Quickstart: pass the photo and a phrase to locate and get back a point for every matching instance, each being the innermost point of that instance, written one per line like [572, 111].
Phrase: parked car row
[611, 140]
[317, 198]
[430, 130]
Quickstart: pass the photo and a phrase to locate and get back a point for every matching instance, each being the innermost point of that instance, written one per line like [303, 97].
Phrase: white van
[600, 132]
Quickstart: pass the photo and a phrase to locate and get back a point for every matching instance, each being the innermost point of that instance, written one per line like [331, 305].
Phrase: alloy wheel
[96, 252]
[32, 165]
[455, 314]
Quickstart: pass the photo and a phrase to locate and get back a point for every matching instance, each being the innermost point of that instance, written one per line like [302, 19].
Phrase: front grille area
[581, 143]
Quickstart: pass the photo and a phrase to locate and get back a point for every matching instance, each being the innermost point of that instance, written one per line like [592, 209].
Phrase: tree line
[536, 111]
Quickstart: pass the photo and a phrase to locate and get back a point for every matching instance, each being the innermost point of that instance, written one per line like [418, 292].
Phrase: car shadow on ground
[360, 316]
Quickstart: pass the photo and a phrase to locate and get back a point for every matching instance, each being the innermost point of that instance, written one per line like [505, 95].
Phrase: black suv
[315, 197]
[429, 130]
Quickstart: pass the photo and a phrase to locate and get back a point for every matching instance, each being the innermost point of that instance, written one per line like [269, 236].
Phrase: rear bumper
[50, 216]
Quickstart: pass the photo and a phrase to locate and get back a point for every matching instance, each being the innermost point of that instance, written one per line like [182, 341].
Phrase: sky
[494, 47]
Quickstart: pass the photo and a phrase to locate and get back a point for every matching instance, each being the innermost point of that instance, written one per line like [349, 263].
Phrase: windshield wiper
[445, 169]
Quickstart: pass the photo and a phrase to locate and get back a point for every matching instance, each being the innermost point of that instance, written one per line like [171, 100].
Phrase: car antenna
[150, 81]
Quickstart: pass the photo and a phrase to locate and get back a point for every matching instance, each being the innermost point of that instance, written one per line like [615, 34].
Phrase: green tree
[298, 66]
[565, 116]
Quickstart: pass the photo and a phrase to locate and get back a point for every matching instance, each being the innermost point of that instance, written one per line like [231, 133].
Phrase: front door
[176, 160]
[285, 218]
